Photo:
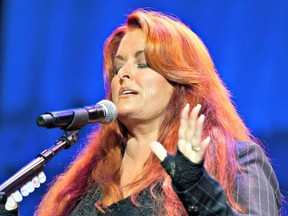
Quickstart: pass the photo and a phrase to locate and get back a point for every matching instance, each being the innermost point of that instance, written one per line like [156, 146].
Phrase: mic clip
[80, 119]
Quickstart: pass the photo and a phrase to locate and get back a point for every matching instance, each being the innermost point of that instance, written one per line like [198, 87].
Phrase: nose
[124, 72]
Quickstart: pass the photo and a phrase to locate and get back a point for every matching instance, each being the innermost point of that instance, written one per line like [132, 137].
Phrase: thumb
[10, 204]
[158, 150]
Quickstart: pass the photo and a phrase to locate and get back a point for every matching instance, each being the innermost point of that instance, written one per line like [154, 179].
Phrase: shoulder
[255, 164]
[257, 183]
[252, 158]
[244, 147]
[249, 151]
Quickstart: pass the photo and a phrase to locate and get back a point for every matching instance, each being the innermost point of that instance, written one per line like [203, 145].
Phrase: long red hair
[177, 53]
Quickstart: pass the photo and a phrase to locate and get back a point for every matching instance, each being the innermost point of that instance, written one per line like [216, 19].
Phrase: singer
[177, 147]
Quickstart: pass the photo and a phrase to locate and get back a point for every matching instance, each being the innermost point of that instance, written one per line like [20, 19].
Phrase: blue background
[51, 59]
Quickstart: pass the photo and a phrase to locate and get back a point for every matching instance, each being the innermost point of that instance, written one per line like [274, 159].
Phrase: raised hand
[190, 141]
[17, 196]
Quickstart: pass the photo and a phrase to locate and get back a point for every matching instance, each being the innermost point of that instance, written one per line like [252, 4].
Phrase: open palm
[190, 141]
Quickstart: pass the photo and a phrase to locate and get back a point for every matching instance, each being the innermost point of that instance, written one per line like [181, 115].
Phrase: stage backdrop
[51, 59]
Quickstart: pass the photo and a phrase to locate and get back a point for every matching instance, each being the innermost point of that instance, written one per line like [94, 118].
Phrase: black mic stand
[33, 168]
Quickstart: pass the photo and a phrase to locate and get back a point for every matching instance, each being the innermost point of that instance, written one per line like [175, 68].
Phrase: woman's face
[139, 92]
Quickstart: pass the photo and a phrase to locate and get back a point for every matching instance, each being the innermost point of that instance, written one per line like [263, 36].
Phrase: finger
[183, 121]
[198, 131]
[17, 196]
[199, 155]
[183, 126]
[42, 177]
[192, 122]
[24, 190]
[10, 204]
[205, 143]
[158, 150]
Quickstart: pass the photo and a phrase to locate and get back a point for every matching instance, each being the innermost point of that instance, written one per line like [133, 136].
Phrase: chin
[124, 112]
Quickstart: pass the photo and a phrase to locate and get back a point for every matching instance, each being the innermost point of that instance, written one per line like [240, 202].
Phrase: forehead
[132, 41]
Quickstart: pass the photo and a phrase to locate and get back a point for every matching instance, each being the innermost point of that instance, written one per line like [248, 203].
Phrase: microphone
[103, 112]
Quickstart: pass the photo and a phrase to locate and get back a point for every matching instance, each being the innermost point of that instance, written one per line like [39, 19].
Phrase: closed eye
[115, 71]
[143, 65]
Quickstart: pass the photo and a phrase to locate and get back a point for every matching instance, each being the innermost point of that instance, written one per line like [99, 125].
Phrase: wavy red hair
[177, 53]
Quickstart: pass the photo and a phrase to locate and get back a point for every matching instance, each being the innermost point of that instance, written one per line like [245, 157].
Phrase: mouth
[127, 92]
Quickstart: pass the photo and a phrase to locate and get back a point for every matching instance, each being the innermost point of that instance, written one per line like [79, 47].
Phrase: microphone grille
[110, 110]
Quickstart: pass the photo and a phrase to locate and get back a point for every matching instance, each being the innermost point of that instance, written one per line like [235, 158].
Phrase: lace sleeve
[199, 192]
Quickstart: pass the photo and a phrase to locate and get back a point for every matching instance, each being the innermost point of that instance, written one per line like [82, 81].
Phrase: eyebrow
[120, 57]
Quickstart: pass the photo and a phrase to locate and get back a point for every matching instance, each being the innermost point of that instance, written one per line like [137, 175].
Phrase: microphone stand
[33, 168]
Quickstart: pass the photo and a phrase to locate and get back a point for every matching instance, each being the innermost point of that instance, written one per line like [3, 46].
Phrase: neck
[136, 154]
[137, 148]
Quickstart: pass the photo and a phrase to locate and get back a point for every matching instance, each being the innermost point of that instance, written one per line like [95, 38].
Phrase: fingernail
[208, 139]
[42, 177]
[36, 182]
[17, 196]
[11, 204]
[10, 201]
[30, 187]
[24, 190]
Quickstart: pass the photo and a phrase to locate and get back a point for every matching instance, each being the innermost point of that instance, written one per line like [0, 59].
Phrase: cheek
[114, 89]
[151, 91]
[158, 88]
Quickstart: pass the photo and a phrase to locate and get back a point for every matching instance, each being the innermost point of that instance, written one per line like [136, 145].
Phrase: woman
[164, 84]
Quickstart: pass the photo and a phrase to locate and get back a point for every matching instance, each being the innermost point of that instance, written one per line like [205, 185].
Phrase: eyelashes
[143, 65]
[115, 71]
[140, 66]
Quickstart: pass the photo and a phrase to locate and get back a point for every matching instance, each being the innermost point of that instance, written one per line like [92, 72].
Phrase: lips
[126, 91]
